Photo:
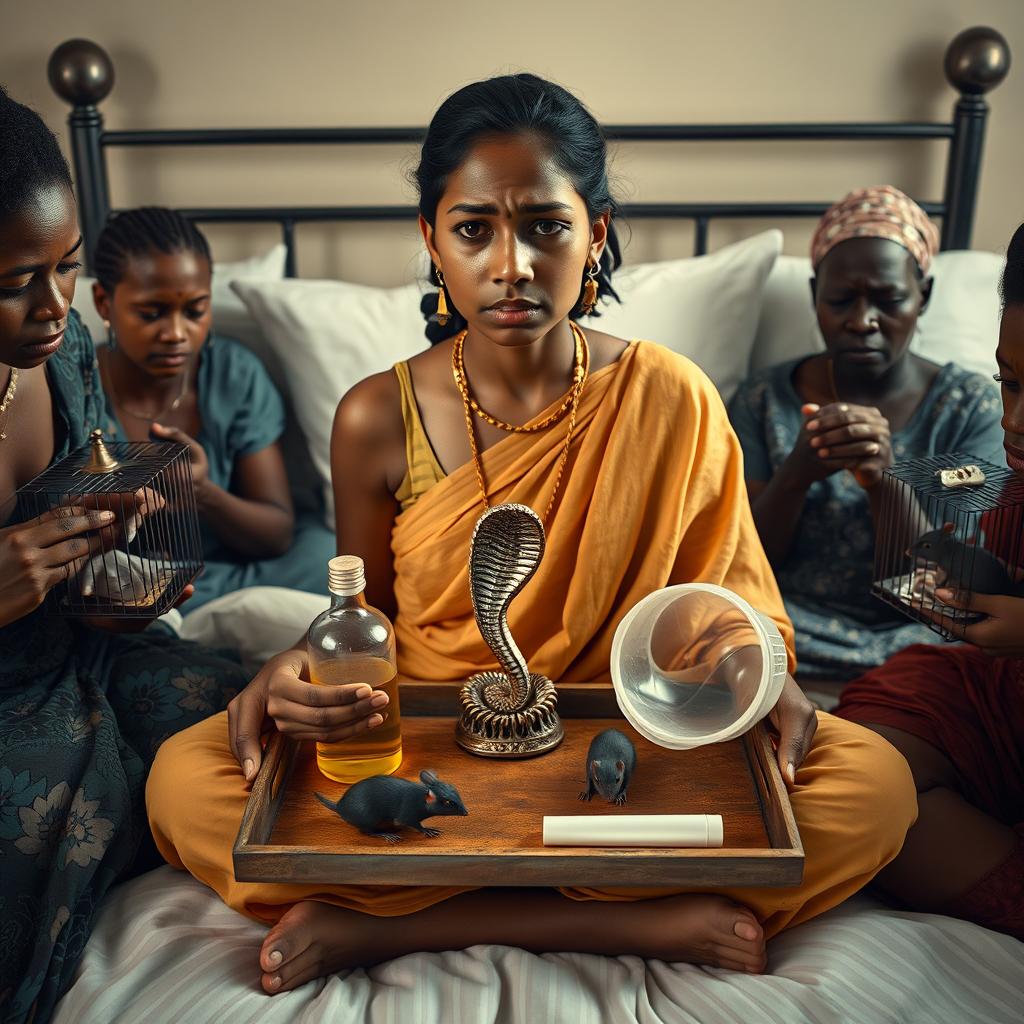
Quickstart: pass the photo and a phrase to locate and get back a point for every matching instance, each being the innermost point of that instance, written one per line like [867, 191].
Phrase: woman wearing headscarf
[818, 432]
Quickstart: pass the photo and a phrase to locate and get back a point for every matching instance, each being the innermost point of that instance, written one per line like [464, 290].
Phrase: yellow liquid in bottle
[377, 752]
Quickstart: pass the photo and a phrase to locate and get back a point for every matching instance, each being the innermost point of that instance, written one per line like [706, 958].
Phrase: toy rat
[383, 800]
[611, 759]
[965, 567]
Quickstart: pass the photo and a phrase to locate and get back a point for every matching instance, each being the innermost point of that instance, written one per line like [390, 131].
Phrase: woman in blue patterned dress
[818, 432]
[166, 376]
[82, 711]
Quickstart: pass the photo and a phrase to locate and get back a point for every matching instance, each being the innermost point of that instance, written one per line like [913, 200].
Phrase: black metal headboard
[976, 61]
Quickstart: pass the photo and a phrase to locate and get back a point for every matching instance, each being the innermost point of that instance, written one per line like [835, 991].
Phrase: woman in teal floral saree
[82, 711]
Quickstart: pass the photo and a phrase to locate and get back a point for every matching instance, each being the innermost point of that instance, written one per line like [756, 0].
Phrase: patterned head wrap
[878, 212]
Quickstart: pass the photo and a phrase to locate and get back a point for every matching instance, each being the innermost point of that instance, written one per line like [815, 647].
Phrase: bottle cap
[345, 575]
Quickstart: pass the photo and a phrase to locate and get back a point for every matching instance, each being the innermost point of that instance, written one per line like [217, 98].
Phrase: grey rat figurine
[967, 567]
[611, 760]
[383, 800]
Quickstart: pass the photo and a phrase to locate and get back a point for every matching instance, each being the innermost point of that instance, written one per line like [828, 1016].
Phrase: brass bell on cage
[139, 566]
[100, 459]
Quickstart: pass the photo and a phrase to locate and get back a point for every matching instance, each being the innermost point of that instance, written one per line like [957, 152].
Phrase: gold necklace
[147, 417]
[12, 387]
[581, 365]
[570, 403]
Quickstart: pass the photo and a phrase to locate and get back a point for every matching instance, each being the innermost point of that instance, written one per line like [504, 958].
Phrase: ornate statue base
[491, 726]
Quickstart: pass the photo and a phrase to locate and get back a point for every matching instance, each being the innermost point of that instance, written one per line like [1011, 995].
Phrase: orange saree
[652, 494]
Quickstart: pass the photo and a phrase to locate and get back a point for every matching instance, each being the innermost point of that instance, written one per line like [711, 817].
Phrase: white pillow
[258, 622]
[328, 336]
[230, 317]
[788, 327]
[961, 324]
[704, 307]
[83, 305]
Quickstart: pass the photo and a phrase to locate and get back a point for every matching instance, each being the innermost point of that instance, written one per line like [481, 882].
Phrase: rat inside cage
[948, 521]
[138, 566]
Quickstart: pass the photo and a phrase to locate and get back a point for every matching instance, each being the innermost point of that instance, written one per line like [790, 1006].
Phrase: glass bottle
[354, 643]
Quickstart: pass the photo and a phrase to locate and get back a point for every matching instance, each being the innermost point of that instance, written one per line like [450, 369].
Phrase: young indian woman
[818, 432]
[82, 711]
[625, 451]
[957, 713]
[167, 377]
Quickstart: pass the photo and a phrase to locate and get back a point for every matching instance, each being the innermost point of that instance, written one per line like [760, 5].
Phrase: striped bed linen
[166, 949]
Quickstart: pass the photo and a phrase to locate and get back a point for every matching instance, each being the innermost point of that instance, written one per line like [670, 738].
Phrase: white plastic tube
[694, 830]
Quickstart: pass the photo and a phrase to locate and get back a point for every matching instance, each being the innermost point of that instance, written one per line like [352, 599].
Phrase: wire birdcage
[942, 525]
[138, 566]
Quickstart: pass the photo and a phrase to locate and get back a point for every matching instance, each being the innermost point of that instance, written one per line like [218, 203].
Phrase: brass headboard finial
[977, 60]
[81, 72]
[101, 461]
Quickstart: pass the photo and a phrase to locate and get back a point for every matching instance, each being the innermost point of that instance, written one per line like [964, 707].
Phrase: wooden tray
[287, 835]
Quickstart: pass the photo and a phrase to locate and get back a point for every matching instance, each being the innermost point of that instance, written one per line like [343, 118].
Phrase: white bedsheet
[166, 949]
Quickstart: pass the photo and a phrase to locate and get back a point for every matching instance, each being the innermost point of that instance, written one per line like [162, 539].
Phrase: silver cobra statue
[511, 713]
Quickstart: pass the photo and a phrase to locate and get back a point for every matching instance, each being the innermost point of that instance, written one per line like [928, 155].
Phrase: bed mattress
[165, 949]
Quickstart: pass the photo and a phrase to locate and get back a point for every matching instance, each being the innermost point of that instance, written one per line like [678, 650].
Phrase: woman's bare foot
[697, 928]
[314, 939]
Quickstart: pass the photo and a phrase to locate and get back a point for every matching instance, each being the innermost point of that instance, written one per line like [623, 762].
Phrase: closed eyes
[62, 268]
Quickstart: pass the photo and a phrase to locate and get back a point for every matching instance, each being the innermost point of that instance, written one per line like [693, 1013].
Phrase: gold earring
[442, 316]
[590, 288]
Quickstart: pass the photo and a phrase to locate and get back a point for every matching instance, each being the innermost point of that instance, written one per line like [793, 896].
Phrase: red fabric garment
[997, 901]
[1004, 534]
[967, 705]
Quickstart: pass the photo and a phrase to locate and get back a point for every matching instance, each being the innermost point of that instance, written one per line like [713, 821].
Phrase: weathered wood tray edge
[779, 865]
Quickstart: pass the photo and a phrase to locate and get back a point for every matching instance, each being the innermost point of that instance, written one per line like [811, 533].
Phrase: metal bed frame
[976, 61]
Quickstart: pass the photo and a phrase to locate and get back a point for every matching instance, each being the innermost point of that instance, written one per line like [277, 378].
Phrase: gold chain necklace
[12, 387]
[570, 403]
[146, 417]
[579, 373]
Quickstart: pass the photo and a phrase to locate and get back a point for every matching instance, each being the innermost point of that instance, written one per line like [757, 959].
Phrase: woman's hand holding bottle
[283, 693]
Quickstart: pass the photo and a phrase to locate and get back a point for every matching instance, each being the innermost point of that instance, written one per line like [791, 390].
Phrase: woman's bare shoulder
[605, 349]
[368, 437]
[432, 360]
[431, 372]
[370, 413]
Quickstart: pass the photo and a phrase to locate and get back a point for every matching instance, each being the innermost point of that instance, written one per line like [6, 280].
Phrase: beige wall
[377, 62]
